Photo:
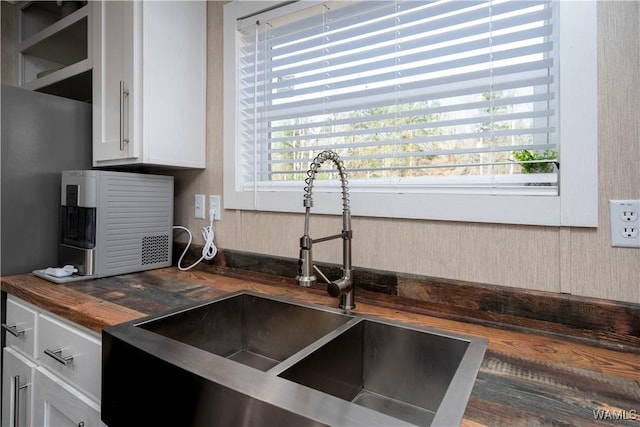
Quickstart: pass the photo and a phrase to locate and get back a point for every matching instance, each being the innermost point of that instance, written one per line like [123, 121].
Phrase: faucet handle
[334, 289]
[342, 285]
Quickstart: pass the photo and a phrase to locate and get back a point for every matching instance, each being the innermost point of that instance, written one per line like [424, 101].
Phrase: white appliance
[115, 222]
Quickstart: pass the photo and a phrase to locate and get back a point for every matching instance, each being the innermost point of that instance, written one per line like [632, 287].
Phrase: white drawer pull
[57, 356]
[13, 329]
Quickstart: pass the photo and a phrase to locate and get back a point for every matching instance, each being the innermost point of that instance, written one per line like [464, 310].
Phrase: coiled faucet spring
[311, 176]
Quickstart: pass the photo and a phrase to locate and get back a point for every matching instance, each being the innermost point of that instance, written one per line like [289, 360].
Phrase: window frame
[576, 205]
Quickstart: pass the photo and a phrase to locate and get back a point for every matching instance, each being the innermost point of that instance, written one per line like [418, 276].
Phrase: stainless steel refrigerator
[42, 135]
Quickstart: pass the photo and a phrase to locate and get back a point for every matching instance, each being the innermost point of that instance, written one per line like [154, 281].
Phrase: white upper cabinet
[149, 83]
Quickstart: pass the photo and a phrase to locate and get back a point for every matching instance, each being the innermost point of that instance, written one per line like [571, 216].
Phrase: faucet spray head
[305, 275]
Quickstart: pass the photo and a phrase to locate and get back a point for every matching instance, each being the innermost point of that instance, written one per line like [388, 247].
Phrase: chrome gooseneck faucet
[342, 287]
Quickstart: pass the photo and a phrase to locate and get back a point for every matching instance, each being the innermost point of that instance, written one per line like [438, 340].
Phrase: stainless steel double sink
[249, 359]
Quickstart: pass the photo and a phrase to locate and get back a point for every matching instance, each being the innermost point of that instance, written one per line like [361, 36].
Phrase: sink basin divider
[320, 342]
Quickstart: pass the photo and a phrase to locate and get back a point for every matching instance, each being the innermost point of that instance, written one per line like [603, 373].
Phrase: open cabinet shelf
[54, 49]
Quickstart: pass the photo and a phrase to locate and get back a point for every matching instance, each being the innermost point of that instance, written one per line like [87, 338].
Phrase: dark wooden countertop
[526, 379]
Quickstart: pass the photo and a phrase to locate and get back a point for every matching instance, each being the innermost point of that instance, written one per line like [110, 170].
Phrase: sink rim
[197, 304]
[291, 396]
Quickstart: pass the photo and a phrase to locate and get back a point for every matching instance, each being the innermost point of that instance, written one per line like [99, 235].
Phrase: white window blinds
[439, 96]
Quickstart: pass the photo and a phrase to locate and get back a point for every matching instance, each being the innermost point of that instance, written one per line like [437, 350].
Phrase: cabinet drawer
[72, 353]
[20, 327]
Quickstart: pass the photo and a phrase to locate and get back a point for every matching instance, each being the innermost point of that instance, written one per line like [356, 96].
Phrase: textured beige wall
[578, 261]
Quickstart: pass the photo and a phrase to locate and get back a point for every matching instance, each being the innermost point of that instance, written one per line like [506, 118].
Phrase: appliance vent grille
[155, 249]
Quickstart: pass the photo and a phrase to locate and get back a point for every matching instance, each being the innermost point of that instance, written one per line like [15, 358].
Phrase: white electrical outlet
[199, 206]
[215, 207]
[629, 215]
[625, 226]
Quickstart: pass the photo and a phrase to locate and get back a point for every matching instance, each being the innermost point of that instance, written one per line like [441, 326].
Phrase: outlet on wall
[199, 206]
[625, 226]
[215, 207]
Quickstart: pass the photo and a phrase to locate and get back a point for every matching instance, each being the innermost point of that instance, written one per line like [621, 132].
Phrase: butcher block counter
[526, 379]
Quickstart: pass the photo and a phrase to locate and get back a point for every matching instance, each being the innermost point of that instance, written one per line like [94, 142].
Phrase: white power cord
[209, 249]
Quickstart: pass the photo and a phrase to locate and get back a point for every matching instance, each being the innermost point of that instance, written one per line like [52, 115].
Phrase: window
[428, 104]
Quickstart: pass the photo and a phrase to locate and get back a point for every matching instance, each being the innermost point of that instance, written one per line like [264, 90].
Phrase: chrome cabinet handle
[123, 93]
[13, 329]
[16, 399]
[57, 356]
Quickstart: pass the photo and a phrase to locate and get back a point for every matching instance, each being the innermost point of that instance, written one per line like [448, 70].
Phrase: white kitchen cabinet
[54, 50]
[16, 389]
[149, 83]
[58, 365]
[57, 404]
